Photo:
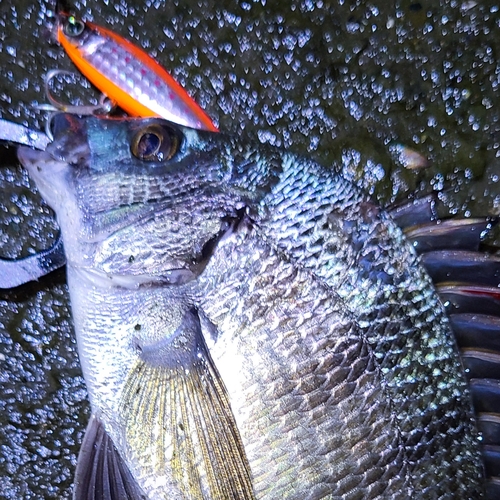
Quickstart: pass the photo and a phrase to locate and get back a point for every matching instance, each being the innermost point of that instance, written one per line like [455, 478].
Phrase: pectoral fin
[101, 474]
[180, 430]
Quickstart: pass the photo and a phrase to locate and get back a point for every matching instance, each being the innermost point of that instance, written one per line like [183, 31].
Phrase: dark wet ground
[342, 81]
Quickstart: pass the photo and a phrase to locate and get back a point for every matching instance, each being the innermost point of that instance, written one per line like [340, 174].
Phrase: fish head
[145, 196]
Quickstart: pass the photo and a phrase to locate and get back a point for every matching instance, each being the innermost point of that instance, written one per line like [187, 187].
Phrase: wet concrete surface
[347, 82]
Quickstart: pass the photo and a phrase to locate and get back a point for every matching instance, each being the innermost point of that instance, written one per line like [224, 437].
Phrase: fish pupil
[74, 27]
[148, 145]
[155, 143]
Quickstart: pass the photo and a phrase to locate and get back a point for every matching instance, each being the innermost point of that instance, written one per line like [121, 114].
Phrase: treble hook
[104, 107]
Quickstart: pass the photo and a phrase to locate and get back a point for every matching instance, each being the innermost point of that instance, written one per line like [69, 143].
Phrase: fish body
[127, 75]
[250, 325]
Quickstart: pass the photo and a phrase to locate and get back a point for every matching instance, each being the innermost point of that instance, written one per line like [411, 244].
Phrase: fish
[250, 324]
[127, 74]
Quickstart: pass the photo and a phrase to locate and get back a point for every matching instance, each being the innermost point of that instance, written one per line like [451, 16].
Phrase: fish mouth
[50, 169]
[45, 171]
[53, 170]
[68, 147]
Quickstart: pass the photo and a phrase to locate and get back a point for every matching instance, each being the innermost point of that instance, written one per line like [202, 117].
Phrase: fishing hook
[104, 107]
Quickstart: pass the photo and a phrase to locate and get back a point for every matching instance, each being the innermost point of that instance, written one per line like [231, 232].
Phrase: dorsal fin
[467, 279]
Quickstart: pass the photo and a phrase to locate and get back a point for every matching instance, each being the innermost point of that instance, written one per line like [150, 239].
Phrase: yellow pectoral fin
[180, 434]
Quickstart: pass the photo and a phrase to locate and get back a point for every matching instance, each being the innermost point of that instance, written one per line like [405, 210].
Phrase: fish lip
[49, 168]
[34, 161]
[43, 168]
[69, 145]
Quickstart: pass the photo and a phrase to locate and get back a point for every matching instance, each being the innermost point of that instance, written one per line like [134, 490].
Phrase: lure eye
[155, 143]
[73, 27]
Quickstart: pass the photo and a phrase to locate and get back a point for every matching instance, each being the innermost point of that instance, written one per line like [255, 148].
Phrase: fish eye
[73, 27]
[155, 143]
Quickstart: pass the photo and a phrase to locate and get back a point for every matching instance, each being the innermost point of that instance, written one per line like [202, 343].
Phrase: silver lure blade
[19, 134]
[15, 272]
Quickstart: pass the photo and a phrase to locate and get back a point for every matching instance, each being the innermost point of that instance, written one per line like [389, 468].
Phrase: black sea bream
[250, 325]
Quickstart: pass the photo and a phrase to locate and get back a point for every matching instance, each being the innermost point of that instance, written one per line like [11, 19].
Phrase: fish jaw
[52, 177]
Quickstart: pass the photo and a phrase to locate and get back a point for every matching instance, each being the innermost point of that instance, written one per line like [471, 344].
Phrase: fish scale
[412, 300]
[343, 354]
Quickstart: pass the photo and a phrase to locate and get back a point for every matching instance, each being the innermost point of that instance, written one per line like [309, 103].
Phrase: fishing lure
[127, 75]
